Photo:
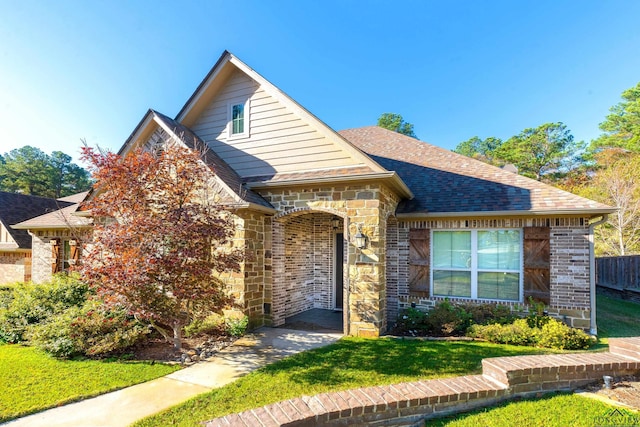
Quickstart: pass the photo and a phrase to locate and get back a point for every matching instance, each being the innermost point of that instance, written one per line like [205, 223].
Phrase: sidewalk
[123, 407]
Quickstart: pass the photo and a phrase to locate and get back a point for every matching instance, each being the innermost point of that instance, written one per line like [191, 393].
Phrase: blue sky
[72, 70]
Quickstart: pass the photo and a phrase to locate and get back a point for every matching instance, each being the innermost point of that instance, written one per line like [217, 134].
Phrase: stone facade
[302, 251]
[41, 250]
[290, 266]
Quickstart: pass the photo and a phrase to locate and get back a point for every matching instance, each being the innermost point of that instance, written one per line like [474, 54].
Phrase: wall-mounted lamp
[360, 239]
[335, 223]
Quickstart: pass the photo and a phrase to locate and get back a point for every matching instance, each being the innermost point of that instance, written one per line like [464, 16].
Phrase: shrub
[208, 325]
[517, 333]
[55, 336]
[236, 326]
[6, 295]
[411, 321]
[552, 334]
[483, 314]
[447, 319]
[537, 316]
[89, 330]
[31, 304]
[556, 334]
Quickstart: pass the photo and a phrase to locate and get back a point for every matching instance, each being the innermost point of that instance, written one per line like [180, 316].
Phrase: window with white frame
[238, 119]
[477, 264]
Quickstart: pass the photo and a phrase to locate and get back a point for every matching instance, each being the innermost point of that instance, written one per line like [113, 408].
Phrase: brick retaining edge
[409, 404]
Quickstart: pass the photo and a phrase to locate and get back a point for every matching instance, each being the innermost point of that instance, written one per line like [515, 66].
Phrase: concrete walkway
[123, 407]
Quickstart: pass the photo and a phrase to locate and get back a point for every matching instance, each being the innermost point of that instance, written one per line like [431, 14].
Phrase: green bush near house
[27, 304]
[60, 318]
[90, 330]
[551, 334]
[210, 324]
[448, 319]
[494, 323]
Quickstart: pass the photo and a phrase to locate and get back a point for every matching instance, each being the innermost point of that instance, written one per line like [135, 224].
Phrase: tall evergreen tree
[622, 126]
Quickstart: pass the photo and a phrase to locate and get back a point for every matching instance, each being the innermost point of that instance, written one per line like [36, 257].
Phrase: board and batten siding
[278, 142]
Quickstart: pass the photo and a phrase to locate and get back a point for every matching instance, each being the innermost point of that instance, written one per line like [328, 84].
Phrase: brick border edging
[412, 402]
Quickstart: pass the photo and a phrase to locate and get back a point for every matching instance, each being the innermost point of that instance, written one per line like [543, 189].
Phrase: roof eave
[392, 177]
[256, 207]
[520, 213]
[51, 226]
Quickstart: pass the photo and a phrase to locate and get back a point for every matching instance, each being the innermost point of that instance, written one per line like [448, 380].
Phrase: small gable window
[238, 119]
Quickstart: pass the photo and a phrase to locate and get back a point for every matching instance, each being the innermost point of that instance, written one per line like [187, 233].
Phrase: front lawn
[550, 411]
[349, 363]
[617, 317]
[32, 381]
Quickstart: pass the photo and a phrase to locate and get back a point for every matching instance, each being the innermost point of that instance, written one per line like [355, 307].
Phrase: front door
[339, 271]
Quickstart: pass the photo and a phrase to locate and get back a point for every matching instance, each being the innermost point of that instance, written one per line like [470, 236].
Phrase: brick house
[15, 244]
[366, 220]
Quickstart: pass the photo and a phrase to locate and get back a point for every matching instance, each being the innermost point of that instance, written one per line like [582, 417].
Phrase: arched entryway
[309, 280]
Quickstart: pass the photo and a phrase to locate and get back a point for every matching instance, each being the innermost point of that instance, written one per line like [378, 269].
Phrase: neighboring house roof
[75, 198]
[61, 219]
[16, 208]
[447, 183]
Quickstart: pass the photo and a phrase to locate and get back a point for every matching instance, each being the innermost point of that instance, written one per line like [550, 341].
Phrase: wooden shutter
[419, 262]
[537, 261]
[55, 256]
[74, 249]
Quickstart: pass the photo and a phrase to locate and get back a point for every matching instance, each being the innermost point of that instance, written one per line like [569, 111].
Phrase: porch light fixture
[360, 239]
[335, 223]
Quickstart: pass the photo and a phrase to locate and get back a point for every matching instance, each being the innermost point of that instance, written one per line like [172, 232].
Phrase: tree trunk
[177, 335]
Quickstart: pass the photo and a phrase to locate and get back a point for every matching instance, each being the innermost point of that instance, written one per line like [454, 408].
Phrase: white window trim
[474, 266]
[247, 114]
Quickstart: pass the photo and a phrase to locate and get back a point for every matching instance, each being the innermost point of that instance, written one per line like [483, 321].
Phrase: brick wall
[299, 258]
[569, 246]
[15, 267]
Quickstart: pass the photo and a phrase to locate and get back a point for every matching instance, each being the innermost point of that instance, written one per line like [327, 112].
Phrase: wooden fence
[621, 272]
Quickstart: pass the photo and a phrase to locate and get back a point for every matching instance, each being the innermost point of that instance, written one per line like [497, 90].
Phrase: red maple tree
[160, 235]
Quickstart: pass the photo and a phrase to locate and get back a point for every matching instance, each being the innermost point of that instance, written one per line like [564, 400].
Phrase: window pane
[499, 250]
[452, 283]
[503, 286]
[237, 118]
[452, 249]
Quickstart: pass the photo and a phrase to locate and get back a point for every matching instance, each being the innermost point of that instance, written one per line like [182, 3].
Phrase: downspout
[592, 274]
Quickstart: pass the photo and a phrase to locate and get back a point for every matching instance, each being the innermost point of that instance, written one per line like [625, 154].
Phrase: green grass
[32, 381]
[617, 318]
[552, 410]
[349, 363]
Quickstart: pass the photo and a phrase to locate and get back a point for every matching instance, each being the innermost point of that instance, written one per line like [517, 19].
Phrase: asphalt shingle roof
[16, 208]
[447, 182]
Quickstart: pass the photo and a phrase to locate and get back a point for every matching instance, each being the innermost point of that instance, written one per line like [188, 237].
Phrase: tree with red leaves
[160, 235]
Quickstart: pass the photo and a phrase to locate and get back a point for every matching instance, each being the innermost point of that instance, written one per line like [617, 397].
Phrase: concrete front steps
[409, 404]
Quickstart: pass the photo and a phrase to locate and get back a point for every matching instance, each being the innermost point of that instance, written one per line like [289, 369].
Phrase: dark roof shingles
[443, 181]
[16, 208]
